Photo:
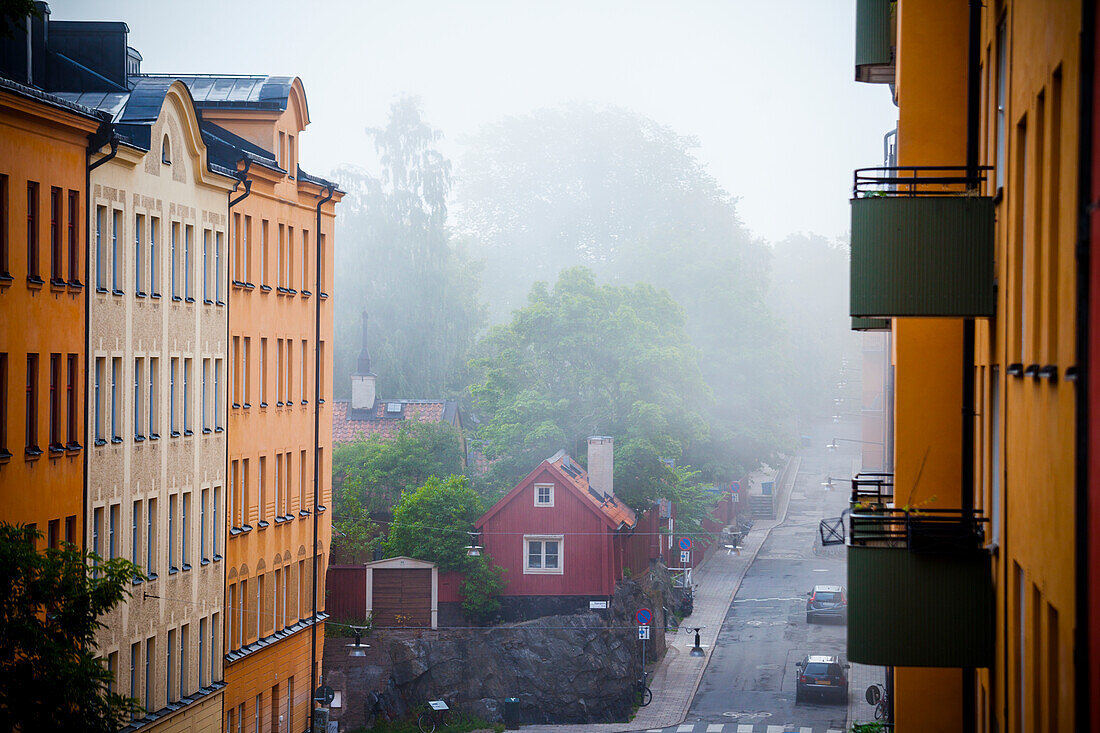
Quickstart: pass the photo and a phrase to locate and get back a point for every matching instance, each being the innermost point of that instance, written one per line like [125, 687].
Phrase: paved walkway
[677, 676]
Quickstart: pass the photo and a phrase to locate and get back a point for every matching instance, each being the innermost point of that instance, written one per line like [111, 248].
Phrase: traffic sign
[324, 694]
[685, 556]
[644, 616]
[735, 486]
[643, 633]
[685, 543]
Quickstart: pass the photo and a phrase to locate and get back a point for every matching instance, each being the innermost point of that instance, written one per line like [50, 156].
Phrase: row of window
[292, 266]
[63, 236]
[110, 384]
[248, 503]
[181, 675]
[270, 602]
[185, 541]
[238, 719]
[184, 264]
[63, 373]
[53, 532]
[287, 352]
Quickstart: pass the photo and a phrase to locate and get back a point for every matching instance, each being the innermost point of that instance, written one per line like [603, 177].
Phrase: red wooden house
[561, 532]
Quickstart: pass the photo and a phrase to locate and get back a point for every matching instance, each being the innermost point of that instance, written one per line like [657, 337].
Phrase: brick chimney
[601, 463]
[363, 390]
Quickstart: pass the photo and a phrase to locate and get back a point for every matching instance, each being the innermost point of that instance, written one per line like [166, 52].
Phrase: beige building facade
[157, 365]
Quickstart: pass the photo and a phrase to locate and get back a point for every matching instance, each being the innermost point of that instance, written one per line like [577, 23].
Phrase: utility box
[511, 713]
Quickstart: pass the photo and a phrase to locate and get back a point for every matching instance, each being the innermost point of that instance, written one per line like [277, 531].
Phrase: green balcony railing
[922, 244]
[875, 34]
[920, 589]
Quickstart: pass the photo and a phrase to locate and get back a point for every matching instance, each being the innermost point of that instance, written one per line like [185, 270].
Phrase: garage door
[402, 597]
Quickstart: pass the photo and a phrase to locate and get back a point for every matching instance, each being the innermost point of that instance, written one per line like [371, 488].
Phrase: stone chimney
[363, 393]
[601, 463]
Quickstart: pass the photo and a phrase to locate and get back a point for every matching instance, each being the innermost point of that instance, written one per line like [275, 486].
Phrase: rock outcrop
[579, 668]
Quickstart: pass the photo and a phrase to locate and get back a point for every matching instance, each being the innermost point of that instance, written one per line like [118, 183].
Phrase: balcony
[875, 41]
[922, 244]
[920, 588]
[870, 324]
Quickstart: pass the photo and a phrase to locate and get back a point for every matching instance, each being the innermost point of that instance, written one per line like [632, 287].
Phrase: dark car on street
[826, 601]
[821, 675]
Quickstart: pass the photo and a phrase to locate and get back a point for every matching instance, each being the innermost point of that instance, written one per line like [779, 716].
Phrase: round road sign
[644, 616]
[685, 543]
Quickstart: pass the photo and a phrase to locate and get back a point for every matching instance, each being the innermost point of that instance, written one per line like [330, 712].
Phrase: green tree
[377, 470]
[400, 264]
[432, 523]
[369, 477]
[586, 359]
[616, 192]
[50, 677]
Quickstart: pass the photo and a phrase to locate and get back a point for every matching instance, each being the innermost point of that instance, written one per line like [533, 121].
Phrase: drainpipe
[329, 192]
[973, 112]
[96, 141]
[1084, 708]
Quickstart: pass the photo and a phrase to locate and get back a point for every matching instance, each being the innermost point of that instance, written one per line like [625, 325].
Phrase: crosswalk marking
[744, 728]
[685, 728]
[804, 729]
[714, 728]
[775, 729]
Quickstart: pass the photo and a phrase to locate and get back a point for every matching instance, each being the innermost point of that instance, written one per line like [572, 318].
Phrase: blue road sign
[644, 616]
[685, 543]
[735, 486]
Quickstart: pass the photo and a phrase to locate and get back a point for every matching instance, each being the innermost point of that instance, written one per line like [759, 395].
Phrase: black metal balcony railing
[917, 530]
[922, 243]
[872, 489]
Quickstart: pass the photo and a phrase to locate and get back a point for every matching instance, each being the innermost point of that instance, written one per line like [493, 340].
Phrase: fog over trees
[577, 270]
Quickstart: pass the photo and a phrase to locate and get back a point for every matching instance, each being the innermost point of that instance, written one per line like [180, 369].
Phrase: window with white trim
[544, 494]
[542, 554]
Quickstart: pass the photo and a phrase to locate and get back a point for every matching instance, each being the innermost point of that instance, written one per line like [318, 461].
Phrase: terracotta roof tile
[615, 510]
[349, 425]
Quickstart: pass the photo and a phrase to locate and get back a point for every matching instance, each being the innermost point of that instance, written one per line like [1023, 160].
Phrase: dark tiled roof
[226, 148]
[246, 92]
[349, 424]
[60, 101]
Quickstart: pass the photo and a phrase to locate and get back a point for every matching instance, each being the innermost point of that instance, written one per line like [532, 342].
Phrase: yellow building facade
[43, 140]
[280, 420]
[157, 362]
[1022, 360]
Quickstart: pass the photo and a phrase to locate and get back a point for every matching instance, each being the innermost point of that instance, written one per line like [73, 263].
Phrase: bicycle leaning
[644, 694]
[876, 695]
[438, 714]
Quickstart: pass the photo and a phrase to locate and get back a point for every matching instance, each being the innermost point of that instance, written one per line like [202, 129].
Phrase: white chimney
[601, 463]
[362, 391]
[363, 380]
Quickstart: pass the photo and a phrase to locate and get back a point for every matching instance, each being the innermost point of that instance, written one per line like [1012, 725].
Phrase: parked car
[826, 601]
[821, 674]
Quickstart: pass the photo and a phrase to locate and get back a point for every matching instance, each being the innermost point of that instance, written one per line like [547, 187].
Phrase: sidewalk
[677, 676]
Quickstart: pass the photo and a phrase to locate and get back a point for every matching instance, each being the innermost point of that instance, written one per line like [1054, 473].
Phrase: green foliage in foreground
[432, 523]
[50, 676]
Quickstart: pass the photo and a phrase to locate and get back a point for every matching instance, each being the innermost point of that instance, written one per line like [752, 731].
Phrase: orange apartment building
[280, 421]
[43, 144]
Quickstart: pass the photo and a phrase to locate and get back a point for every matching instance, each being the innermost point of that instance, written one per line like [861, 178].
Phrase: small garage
[402, 591]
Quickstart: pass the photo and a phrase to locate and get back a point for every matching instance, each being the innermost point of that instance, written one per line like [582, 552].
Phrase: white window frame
[538, 495]
[528, 539]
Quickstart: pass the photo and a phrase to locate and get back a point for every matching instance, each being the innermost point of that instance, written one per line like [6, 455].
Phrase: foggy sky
[766, 87]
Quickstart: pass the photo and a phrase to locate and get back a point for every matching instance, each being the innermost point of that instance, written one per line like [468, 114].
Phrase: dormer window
[166, 152]
[544, 494]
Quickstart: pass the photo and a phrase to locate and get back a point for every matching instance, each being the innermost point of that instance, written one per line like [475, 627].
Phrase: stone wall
[576, 668]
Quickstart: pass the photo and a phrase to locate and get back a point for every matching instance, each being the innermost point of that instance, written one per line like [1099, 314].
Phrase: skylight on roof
[393, 407]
